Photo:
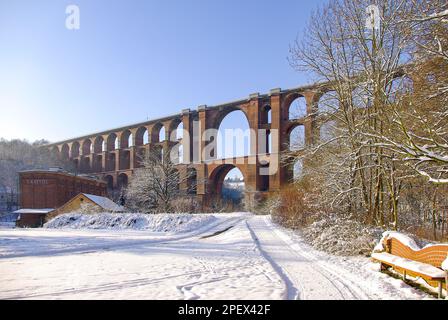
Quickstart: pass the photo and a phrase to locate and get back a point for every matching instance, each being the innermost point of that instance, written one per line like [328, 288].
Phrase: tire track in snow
[297, 269]
[327, 269]
[291, 292]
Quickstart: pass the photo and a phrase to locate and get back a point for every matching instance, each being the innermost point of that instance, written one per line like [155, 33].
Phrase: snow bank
[136, 221]
[7, 224]
[341, 236]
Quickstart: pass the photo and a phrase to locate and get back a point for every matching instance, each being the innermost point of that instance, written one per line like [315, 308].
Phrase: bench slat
[422, 269]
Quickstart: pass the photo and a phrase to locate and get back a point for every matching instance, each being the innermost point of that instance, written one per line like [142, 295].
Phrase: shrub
[298, 205]
[341, 235]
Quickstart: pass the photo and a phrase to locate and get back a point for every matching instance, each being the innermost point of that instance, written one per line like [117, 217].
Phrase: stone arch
[172, 128]
[74, 152]
[295, 106]
[110, 181]
[86, 147]
[98, 145]
[217, 176]
[122, 181]
[266, 114]
[65, 151]
[55, 152]
[158, 133]
[224, 112]
[328, 102]
[112, 142]
[180, 131]
[240, 145]
[141, 136]
[296, 137]
[126, 139]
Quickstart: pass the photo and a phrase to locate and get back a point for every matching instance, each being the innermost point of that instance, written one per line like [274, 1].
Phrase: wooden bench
[409, 260]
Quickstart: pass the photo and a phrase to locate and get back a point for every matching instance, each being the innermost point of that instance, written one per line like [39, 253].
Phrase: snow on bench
[401, 253]
[423, 269]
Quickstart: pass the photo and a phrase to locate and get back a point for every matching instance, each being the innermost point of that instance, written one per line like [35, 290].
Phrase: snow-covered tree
[156, 185]
[385, 132]
[422, 136]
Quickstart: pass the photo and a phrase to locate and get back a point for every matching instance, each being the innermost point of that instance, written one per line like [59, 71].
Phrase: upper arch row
[295, 104]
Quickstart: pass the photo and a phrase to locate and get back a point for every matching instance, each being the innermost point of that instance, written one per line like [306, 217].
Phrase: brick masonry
[46, 189]
[109, 155]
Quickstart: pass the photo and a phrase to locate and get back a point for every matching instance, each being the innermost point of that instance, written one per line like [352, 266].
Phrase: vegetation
[156, 186]
[383, 158]
[19, 155]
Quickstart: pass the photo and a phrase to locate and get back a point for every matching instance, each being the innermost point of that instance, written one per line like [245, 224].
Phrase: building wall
[41, 189]
[31, 220]
[74, 205]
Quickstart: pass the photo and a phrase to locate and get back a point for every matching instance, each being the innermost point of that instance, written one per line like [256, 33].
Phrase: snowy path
[305, 276]
[237, 257]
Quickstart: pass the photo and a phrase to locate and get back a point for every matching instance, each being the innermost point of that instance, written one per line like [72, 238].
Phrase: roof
[34, 211]
[64, 173]
[104, 203]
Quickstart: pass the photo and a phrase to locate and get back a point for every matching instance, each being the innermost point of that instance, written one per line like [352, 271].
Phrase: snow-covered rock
[136, 221]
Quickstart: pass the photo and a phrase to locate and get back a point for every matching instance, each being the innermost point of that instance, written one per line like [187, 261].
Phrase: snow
[105, 203]
[404, 239]
[4, 224]
[136, 221]
[445, 264]
[423, 268]
[227, 256]
[341, 236]
[36, 211]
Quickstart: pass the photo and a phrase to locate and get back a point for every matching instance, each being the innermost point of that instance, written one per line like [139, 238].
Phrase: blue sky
[136, 60]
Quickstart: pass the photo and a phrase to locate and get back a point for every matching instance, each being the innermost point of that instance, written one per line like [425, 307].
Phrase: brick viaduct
[114, 154]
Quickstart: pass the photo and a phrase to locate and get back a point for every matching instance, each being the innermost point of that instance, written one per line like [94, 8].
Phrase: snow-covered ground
[135, 221]
[227, 256]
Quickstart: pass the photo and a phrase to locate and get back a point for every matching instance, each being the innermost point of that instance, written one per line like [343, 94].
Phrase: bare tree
[359, 62]
[421, 135]
[156, 185]
[19, 155]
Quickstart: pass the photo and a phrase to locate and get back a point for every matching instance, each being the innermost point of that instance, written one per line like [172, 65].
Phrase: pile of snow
[136, 221]
[445, 264]
[404, 239]
[341, 236]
